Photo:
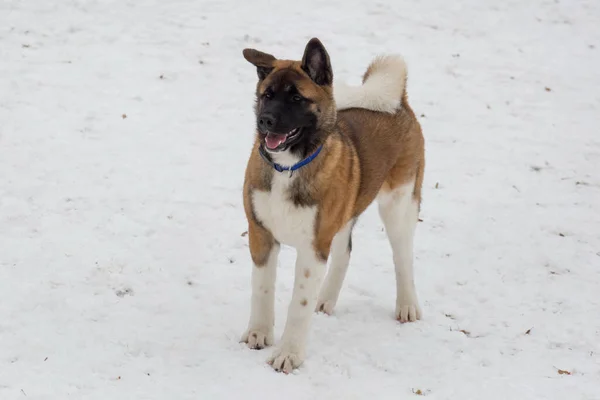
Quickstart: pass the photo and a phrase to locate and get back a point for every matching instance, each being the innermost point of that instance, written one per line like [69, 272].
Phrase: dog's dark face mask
[284, 116]
[291, 98]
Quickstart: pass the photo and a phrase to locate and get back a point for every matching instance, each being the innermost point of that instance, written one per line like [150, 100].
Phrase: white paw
[409, 313]
[408, 309]
[258, 338]
[325, 306]
[283, 360]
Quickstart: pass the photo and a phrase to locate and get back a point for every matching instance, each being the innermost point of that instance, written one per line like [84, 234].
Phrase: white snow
[123, 272]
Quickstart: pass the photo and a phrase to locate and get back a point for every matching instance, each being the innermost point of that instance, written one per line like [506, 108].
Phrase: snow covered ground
[125, 127]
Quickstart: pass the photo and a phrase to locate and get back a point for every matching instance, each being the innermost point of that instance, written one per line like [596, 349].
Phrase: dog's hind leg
[340, 258]
[399, 209]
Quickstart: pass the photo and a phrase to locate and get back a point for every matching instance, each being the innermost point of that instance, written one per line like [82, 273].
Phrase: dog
[322, 154]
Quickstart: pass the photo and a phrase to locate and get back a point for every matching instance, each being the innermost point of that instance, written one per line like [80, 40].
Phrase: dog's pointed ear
[315, 63]
[262, 61]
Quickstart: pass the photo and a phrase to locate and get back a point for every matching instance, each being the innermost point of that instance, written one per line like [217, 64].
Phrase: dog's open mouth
[275, 141]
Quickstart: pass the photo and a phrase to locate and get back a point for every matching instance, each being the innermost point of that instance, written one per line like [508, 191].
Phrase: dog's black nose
[266, 121]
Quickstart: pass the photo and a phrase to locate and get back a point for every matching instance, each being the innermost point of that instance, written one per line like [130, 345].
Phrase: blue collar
[281, 168]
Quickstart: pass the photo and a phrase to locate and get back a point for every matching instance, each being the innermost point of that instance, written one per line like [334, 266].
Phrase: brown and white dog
[321, 156]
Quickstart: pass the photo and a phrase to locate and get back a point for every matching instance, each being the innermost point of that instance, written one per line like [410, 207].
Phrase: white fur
[293, 226]
[382, 91]
[399, 212]
[285, 158]
[340, 258]
[291, 351]
[289, 224]
[262, 309]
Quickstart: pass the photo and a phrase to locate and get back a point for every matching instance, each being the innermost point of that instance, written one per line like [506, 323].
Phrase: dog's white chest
[289, 224]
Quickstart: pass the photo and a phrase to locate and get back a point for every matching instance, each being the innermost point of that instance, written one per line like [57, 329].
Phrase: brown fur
[363, 152]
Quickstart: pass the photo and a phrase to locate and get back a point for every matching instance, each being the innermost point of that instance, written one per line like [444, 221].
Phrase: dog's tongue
[274, 140]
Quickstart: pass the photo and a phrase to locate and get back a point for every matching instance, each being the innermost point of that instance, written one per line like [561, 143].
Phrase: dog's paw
[283, 360]
[408, 313]
[325, 306]
[407, 308]
[257, 338]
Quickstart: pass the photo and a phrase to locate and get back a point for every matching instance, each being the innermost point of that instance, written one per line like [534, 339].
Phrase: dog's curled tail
[382, 90]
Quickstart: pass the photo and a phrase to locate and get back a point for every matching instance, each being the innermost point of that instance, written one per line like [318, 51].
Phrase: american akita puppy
[321, 156]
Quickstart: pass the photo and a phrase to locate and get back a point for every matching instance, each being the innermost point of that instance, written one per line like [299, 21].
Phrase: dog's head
[294, 100]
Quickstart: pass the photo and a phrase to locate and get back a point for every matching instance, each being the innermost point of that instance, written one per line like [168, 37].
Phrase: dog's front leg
[264, 251]
[290, 352]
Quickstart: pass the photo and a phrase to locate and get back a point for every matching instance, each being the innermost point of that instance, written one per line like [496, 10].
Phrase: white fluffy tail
[382, 89]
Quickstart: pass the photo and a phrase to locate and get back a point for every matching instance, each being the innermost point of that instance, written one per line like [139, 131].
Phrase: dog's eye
[268, 94]
[296, 98]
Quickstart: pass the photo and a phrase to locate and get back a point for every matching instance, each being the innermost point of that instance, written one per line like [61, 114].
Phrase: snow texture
[125, 127]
